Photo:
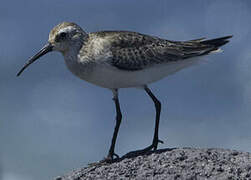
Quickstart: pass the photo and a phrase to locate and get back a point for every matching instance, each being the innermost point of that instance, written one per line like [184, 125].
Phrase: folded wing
[134, 51]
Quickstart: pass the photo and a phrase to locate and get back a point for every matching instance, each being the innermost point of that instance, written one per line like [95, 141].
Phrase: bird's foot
[153, 146]
[112, 157]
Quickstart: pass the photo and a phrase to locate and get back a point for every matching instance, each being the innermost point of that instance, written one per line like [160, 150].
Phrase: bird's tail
[215, 43]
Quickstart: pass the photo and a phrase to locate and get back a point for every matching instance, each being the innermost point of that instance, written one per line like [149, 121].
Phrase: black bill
[47, 48]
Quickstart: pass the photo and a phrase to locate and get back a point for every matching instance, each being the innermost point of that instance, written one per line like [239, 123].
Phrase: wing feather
[134, 51]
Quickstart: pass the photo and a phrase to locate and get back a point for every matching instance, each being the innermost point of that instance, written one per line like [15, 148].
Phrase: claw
[160, 141]
[110, 158]
[153, 146]
[116, 156]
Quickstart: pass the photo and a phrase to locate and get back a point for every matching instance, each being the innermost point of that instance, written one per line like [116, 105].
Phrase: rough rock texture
[177, 163]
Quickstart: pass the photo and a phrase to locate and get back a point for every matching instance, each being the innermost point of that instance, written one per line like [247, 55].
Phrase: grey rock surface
[176, 163]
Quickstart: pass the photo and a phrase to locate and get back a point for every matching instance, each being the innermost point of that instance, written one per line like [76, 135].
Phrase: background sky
[51, 122]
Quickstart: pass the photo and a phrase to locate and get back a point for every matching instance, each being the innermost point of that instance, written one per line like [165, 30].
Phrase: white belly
[106, 76]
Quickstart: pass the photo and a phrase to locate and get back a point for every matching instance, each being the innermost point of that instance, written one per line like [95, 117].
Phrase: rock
[176, 163]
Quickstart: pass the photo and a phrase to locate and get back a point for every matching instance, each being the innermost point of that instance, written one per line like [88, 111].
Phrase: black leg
[111, 153]
[156, 140]
[158, 110]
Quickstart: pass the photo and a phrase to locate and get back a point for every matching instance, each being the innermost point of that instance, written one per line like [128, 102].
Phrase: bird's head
[63, 37]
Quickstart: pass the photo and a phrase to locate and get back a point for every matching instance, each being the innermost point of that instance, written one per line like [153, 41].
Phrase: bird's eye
[62, 35]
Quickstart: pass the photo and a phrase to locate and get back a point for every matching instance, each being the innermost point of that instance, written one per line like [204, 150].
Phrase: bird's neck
[71, 53]
[74, 61]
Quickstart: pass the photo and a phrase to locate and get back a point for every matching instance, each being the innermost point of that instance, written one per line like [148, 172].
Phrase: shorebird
[124, 59]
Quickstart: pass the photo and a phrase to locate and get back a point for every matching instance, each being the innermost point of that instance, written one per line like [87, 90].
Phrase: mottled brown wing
[132, 52]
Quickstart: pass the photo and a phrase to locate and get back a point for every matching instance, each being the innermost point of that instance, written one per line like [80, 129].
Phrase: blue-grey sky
[52, 122]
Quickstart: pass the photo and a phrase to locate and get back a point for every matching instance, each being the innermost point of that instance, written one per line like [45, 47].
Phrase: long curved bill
[47, 48]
